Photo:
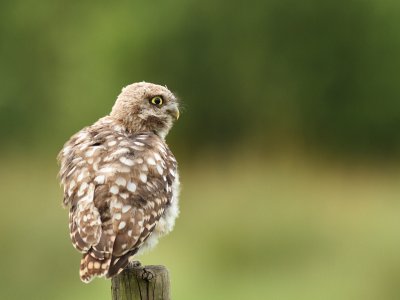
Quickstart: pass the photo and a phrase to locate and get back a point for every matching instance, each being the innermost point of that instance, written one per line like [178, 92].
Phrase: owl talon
[147, 275]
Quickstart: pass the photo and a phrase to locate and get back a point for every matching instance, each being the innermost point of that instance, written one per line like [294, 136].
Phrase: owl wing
[79, 161]
[139, 197]
[126, 188]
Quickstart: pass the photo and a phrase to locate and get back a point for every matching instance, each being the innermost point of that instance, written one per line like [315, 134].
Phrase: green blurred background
[288, 143]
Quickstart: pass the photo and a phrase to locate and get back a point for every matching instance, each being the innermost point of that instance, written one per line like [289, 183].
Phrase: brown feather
[117, 176]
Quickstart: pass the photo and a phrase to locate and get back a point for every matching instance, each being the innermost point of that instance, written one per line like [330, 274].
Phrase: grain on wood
[139, 282]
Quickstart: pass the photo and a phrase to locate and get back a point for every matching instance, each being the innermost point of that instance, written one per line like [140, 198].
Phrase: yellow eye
[157, 100]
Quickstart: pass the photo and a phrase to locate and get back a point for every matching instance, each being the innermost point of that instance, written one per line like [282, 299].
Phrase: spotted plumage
[120, 180]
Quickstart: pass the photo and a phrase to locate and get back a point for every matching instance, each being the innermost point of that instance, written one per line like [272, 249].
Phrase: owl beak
[175, 113]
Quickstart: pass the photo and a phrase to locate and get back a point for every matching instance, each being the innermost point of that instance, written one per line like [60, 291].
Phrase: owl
[120, 180]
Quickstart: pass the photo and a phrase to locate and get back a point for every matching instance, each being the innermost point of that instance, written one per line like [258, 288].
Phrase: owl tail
[91, 267]
[118, 264]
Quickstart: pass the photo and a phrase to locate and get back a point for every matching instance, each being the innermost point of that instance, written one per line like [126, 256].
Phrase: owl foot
[147, 274]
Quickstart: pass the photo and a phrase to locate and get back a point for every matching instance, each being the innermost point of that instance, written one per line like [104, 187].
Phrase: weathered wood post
[139, 282]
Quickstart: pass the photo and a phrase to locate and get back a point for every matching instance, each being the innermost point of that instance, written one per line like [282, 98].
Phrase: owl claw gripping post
[120, 180]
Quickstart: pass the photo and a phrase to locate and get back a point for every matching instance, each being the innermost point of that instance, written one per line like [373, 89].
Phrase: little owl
[120, 180]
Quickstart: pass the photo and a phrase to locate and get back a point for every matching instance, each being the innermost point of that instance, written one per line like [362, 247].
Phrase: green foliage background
[288, 142]
[324, 72]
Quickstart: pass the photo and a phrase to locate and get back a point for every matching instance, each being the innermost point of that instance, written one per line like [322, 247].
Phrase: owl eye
[157, 100]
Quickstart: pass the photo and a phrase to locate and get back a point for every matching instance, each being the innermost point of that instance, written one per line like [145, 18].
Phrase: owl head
[144, 107]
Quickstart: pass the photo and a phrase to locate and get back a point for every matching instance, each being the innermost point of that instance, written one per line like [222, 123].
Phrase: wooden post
[138, 282]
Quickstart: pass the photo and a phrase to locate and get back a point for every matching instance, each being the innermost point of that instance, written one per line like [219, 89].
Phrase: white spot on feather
[143, 177]
[160, 169]
[114, 190]
[131, 186]
[115, 204]
[107, 170]
[80, 176]
[100, 179]
[126, 161]
[125, 208]
[82, 189]
[72, 184]
[121, 225]
[71, 171]
[121, 151]
[90, 152]
[121, 181]
[151, 161]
